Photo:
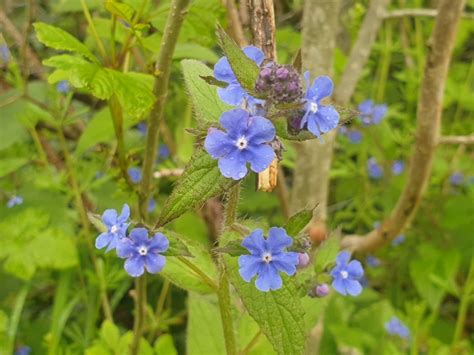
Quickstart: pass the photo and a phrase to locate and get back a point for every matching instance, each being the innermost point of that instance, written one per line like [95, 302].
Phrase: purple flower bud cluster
[280, 83]
[320, 290]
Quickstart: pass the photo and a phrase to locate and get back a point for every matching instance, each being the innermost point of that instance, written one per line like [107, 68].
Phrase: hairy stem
[162, 72]
[117, 119]
[140, 307]
[225, 307]
[231, 205]
[466, 299]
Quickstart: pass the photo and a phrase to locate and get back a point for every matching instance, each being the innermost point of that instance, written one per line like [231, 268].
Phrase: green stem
[117, 119]
[198, 272]
[16, 315]
[140, 307]
[225, 307]
[162, 72]
[88, 16]
[466, 298]
[231, 205]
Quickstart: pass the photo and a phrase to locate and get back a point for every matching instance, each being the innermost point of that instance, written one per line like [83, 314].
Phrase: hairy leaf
[327, 252]
[298, 221]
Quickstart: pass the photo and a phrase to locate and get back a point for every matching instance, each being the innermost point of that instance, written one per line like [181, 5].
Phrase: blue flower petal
[327, 118]
[268, 279]
[249, 266]
[339, 285]
[313, 124]
[233, 165]
[255, 243]
[355, 270]
[109, 217]
[223, 71]
[113, 243]
[286, 262]
[278, 239]
[139, 236]
[366, 108]
[154, 263]
[135, 266]
[233, 94]
[379, 113]
[236, 122]
[343, 257]
[125, 214]
[125, 248]
[260, 157]
[261, 130]
[103, 240]
[218, 143]
[322, 87]
[159, 243]
[353, 287]
[255, 54]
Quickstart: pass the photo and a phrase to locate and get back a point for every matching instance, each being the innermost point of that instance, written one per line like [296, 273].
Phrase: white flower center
[267, 257]
[344, 274]
[114, 229]
[241, 143]
[143, 250]
[313, 107]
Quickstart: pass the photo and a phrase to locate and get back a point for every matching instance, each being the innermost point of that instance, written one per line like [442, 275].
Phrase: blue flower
[372, 261]
[234, 93]
[142, 252]
[347, 275]
[142, 128]
[23, 350]
[371, 114]
[135, 175]
[395, 327]
[116, 228]
[397, 167]
[164, 152]
[317, 118]
[355, 136]
[5, 54]
[245, 142]
[374, 169]
[400, 239]
[456, 179]
[151, 205]
[63, 87]
[14, 201]
[267, 258]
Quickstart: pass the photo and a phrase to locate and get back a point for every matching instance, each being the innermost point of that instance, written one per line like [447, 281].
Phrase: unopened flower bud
[321, 290]
[280, 83]
[282, 73]
[303, 260]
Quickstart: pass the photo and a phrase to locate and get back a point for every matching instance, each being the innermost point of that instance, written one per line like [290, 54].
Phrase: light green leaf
[200, 181]
[279, 313]
[194, 51]
[298, 221]
[9, 165]
[57, 38]
[327, 252]
[206, 103]
[204, 333]
[110, 333]
[121, 10]
[164, 345]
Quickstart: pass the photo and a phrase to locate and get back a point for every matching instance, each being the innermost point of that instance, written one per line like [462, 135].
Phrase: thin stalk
[88, 16]
[140, 307]
[225, 307]
[198, 272]
[251, 343]
[231, 205]
[117, 119]
[112, 40]
[466, 299]
[162, 72]
[16, 315]
[39, 147]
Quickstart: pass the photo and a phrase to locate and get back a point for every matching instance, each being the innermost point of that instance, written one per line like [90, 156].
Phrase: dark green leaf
[327, 252]
[298, 221]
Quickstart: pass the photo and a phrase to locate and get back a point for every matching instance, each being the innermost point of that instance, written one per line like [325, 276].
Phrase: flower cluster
[14, 201]
[140, 251]
[371, 114]
[249, 136]
[395, 327]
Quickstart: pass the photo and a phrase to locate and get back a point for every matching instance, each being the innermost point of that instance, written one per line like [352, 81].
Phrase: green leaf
[244, 68]
[204, 332]
[298, 221]
[9, 165]
[281, 127]
[279, 313]
[121, 10]
[164, 345]
[57, 38]
[327, 252]
[177, 245]
[206, 103]
[110, 333]
[200, 181]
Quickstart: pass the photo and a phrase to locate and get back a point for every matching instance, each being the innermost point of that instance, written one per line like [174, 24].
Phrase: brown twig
[399, 13]
[427, 131]
[236, 27]
[456, 139]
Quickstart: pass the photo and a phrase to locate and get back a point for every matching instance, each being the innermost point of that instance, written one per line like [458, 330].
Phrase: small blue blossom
[135, 175]
[142, 252]
[142, 128]
[347, 275]
[116, 228]
[343, 130]
[400, 239]
[355, 136]
[372, 261]
[163, 152]
[14, 201]
[246, 141]
[23, 350]
[374, 169]
[395, 327]
[124, 23]
[397, 167]
[268, 257]
[456, 179]
[5, 54]
[151, 205]
[63, 87]
[318, 118]
[371, 114]
[234, 94]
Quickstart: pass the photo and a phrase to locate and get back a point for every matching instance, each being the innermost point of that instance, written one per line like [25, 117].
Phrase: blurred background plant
[57, 149]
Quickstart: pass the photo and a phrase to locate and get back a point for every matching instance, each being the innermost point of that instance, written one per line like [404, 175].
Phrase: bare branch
[420, 13]
[456, 139]
[235, 23]
[427, 131]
